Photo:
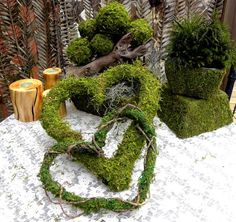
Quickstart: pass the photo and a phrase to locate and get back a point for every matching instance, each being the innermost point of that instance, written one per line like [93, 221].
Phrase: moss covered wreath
[115, 172]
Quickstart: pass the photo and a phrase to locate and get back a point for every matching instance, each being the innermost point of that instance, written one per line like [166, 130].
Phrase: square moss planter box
[188, 117]
[197, 83]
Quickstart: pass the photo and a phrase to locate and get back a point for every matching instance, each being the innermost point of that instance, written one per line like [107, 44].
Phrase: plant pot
[188, 117]
[197, 83]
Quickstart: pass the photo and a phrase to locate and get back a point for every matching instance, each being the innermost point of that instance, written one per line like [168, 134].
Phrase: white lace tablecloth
[195, 178]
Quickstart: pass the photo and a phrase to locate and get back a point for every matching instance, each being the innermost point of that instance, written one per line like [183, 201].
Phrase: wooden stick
[26, 96]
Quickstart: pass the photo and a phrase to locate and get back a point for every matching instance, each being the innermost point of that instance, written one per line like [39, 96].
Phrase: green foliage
[101, 44]
[87, 28]
[141, 31]
[79, 51]
[198, 43]
[188, 117]
[113, 20]
[198, 82]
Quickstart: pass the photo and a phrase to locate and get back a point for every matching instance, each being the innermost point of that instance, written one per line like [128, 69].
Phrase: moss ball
[113, 20]
[141, 31]
[87, 28]
[101, 44]
[79, 51]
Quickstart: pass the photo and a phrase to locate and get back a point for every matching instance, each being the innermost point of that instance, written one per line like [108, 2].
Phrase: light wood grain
[51, 76]
[26, 97]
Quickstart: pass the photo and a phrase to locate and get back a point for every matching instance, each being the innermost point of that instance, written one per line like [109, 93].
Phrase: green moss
[115, 172]
[101, 44]
[198, 83]
[113, 20]
[188, 117]
[64, 90]
[87, 28]
[95, 89]
[94, 204]
[149, 87]
[79, 52]
[141, 31]
[135, 74]
[196, 42]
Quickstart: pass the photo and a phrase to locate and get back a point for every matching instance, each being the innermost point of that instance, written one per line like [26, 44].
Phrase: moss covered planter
[197, 83]
[115, 172]
[188, 117]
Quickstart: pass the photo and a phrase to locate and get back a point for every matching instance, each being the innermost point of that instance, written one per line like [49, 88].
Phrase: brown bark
[121, 51]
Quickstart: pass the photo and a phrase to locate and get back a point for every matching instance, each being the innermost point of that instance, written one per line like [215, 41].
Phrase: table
[195, 178]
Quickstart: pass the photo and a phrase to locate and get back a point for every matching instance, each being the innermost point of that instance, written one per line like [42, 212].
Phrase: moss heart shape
[115, 172]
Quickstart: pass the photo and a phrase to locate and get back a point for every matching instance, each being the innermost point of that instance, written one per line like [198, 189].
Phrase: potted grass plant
[200, 51]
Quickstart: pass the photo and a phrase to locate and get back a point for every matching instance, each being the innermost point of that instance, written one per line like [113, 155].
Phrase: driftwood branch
[121, 51]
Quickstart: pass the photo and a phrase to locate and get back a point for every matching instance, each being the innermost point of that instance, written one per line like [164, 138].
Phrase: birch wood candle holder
[26, 97]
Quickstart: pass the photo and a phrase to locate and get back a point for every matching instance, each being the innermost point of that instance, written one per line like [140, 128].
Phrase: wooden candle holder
[62, 109]
[26, 97]
[51, 76]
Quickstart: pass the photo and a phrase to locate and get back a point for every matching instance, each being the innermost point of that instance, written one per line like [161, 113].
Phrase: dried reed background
[34, 33]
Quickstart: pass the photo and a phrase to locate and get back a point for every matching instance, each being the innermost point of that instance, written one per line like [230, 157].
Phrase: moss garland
[94, 204]
[115, 172]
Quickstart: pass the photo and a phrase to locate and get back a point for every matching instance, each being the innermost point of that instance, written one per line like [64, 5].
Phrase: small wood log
[62, 109]
[51, 76]
[26, 96]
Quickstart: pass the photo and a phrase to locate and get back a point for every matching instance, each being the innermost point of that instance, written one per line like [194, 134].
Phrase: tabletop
[194, 181]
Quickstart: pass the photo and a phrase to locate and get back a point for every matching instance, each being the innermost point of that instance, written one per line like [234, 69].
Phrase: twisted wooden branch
[121, 51]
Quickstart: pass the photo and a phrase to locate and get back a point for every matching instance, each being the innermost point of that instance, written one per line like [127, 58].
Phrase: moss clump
[141, 31]
[101, 45]
[198, 82]
[113, 20]
[79, 51]
[188, 117]
[87, 28]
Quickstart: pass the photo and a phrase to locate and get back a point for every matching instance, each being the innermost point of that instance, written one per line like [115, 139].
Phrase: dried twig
[128, 106]
[60, 202]
[110, 122]
[80, 147]
[54, 152]
[95, 143]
